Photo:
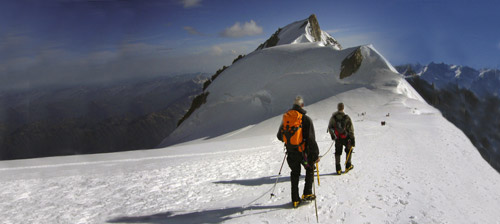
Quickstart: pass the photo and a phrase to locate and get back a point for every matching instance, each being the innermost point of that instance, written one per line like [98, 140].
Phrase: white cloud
[216, 50]
[248, 29]
[191, 3]
[192, 30]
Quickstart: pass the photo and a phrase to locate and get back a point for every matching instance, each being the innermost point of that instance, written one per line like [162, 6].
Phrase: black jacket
[307, 134]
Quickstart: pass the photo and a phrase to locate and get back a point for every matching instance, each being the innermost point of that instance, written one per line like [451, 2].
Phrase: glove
[332, 135]
[314, 159]
[353, 142]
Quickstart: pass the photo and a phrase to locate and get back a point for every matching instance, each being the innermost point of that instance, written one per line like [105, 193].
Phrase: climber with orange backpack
[297, 132]
[342, 132]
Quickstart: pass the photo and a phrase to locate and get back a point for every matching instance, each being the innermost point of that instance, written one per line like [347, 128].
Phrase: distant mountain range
[483, 83]
[93, 119]
[466, 97]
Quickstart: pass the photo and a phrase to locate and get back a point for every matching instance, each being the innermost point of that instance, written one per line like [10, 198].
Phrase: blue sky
[54, 42]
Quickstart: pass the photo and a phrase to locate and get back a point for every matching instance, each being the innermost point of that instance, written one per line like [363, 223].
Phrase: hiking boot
[339, 169]
[349, 168]
[296, 204]
[308, 197]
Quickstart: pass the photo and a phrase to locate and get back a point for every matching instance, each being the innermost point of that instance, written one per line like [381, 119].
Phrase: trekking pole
[317, 171]
[279, 174]
[315, 204]
[271, 189]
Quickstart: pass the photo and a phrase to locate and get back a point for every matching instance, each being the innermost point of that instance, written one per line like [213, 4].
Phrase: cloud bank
[57, 66]
[248, 29]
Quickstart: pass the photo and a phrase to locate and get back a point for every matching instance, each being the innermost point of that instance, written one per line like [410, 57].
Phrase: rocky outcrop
[316, 32]
[314, 27]
[197, 102]
[238, 58]
[351, 63]
[271, 42]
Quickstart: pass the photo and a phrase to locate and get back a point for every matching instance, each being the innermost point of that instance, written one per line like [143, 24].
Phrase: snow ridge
[303, 31]
[263, 84]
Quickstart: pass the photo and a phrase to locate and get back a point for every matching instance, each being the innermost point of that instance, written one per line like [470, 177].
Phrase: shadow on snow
[216, 215]
[208, 216]
[256, 181]
[265, 180]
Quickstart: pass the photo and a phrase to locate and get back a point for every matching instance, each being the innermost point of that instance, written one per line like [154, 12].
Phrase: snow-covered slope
[262, 85]
[303, 31]
[418, 168]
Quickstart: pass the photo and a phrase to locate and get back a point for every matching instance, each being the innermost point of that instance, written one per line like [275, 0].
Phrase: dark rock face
[315, 30]
[271, 42]
[197, 102]
[351, 64]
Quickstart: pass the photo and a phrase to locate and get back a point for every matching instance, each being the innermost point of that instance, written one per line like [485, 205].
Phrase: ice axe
[317, 172]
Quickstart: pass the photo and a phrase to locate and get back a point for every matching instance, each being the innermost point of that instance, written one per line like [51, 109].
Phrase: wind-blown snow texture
[418, 168]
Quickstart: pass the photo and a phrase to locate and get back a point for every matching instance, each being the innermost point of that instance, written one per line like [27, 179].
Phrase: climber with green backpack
[297, 132]
[342, 132]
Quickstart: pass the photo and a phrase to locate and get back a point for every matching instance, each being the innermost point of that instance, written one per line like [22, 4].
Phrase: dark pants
[294, 160]
[339, 145]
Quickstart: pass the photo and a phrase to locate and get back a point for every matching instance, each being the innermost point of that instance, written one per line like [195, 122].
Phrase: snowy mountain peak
[262, 85]
[303, 31]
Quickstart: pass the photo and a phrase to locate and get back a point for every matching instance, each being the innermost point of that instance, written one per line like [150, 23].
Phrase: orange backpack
[292, 130]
